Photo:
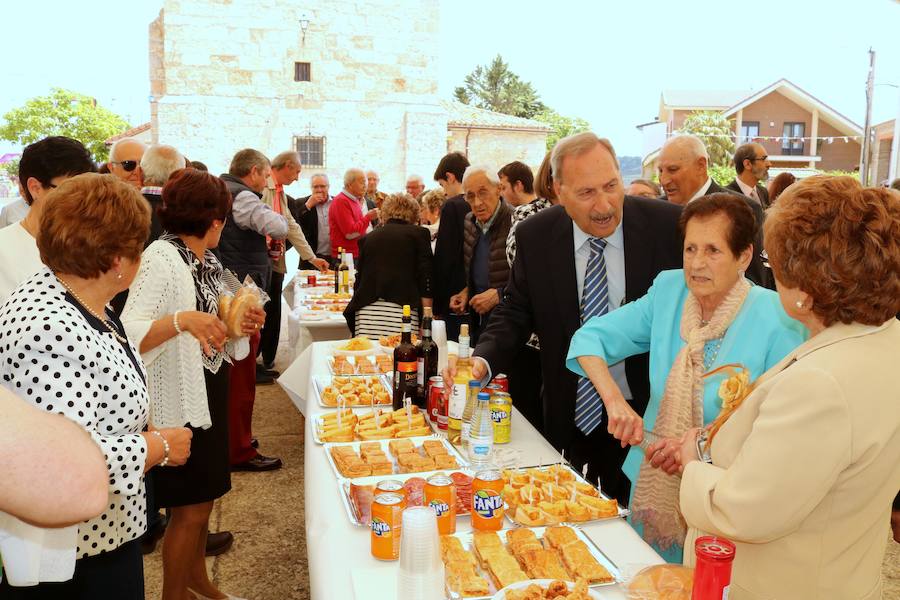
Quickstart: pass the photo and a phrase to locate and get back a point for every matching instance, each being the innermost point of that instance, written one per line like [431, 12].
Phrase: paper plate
[338, 352]
[521, 585]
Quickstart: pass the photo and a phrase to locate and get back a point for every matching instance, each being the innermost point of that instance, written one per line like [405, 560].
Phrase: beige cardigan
[804, 472]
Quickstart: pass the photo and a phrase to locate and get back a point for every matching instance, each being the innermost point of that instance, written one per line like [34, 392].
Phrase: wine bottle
[460, 388]
[405, 363]
[344, 275]
[337, 280]
[427, 352]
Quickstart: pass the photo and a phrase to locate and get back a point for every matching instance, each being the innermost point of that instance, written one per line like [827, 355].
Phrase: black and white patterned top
[57, 356]
[520, 214]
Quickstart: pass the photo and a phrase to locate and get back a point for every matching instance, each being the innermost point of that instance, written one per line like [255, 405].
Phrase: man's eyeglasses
[759, 158]
[128, 165]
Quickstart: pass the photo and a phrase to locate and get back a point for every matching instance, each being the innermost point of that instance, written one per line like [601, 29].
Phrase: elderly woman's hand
[254, 319]
[179, 439]
[209, 330]
[624, 424]
[666, 455]
[688, 452]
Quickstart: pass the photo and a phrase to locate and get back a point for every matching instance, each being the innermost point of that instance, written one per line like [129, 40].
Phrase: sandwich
[557, 537]
[543, 564]
[520, 540]
[580, 563]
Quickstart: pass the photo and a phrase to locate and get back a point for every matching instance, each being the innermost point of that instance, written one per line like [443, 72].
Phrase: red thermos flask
[712, 573]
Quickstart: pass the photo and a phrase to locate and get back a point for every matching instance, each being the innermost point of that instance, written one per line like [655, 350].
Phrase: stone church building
[345, 82]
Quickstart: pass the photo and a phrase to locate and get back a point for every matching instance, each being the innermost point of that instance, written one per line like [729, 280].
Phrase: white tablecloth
[303, 331]
[339, 552]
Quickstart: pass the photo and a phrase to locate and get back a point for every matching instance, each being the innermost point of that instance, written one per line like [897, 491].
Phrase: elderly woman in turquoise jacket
[692, 321]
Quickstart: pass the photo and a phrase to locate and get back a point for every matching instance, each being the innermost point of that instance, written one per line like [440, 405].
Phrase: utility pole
[865, 158]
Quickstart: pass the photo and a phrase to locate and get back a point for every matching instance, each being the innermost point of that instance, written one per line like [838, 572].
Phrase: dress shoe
[153, 535]
[254, 443]
[270, 369]
[218, 543]
[263, 378]
[258, 463]
[199, 596]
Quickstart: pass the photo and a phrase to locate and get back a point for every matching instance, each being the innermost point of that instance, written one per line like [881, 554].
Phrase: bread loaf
[662, 582]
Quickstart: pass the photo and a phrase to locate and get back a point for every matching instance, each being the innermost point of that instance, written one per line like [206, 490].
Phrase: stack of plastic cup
[421, 573]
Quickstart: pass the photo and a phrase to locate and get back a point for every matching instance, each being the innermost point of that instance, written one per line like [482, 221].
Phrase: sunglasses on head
[128, 165]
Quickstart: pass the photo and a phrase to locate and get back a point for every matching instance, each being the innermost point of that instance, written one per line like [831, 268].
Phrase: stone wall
[226, 82]
[496, 148]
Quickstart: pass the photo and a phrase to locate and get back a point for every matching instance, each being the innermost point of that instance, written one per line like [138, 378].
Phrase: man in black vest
[544, 295]
[243, 248]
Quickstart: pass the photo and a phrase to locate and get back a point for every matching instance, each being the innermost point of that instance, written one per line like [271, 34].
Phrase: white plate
[323, 382]
[521, 585]
[338, 352]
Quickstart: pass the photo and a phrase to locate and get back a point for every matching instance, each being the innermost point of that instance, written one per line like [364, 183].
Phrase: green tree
[562, 125]
[717, 133]
[63, 112]
[494, 87]
[722, 174]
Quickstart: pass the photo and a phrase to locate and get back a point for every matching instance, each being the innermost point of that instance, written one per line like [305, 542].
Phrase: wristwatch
[703, 448]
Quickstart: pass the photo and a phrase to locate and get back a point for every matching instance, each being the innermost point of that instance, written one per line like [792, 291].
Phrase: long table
[340, 563]
[303, 331]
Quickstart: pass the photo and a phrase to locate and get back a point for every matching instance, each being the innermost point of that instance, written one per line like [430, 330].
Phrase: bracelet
[703, 448]
[175, 322]
[165, 460]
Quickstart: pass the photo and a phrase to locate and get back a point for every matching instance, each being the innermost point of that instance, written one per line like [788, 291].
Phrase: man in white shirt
[752, 166]
[44, 166]
[13, 212]
[683, 175]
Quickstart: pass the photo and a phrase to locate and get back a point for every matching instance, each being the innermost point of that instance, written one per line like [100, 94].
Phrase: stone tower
[351, 83]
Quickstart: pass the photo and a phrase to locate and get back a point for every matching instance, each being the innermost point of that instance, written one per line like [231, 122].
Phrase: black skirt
[207, 474]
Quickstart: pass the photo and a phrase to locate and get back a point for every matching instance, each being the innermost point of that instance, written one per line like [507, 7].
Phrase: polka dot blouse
[56, 356]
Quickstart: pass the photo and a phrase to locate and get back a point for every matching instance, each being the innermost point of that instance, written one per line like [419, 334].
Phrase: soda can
[435, 394]
[311, 280]
[387, 514]
[487, 500]
[391, 486]
[501, 416]
[502, 381]
[442, 412]
[440, 495]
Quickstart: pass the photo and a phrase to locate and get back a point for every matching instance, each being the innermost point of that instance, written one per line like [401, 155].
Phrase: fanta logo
[380, 528]
[498, 416]
[439, 507]
[486, 502]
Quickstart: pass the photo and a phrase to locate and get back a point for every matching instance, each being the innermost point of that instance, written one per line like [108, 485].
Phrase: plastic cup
[421, 572]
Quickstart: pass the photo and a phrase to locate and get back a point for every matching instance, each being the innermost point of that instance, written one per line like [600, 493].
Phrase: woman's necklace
[106, 323]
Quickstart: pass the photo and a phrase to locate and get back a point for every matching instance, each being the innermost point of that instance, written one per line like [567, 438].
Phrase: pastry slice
[543, 564]
[560, 473]
[600, 507]
[445, 461]
[504, 570]
[398, 447]
[484, 543]
[530, 516]
[557, 537]
[519, 540]
[581, 564]
[576, 512]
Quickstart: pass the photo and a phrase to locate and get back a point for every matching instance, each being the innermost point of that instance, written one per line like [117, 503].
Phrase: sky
[601, 60]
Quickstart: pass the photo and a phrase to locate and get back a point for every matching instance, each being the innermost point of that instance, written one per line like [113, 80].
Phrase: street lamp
[304, 25]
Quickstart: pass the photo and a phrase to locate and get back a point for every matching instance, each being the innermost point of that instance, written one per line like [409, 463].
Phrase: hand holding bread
[242, 313]
[209, 330]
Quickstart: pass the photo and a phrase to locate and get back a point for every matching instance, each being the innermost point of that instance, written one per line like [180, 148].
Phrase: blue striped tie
[594, 302]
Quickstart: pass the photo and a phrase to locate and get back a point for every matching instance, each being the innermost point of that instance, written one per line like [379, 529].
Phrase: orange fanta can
[440, 495]
[387, 512]
[487, 500]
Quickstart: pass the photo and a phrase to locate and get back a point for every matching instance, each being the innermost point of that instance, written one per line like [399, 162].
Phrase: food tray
[596, 552]
[320, 383]
[354, 361]
[344, 489]
[544, 583]
[622, 512]
[359, 412]
[417, 441]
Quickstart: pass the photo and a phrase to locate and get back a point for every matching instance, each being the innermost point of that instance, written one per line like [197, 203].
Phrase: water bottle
[481, 433]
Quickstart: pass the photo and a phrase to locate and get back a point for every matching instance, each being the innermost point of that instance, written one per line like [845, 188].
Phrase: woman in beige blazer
[801, 474]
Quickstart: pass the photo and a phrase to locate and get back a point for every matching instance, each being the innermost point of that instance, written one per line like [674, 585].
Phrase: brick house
[883, 151]
[798, 131]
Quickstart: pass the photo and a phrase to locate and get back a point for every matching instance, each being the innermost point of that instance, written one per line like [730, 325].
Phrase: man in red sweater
[346, 221]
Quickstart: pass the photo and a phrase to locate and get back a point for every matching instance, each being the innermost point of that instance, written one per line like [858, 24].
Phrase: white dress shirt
[703, 189]
[14, 212]
[614, 253]
[748, 191]
[19, 258]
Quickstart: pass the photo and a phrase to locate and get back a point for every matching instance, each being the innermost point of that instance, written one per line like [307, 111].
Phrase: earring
[799, 304]
[119, 275]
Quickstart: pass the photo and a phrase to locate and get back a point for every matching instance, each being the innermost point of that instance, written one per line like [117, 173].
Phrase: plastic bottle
[481, 434]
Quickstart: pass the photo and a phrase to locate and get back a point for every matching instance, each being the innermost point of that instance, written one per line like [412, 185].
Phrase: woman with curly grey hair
[394, 268]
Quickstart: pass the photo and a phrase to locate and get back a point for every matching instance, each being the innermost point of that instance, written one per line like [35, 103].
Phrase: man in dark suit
[683, 175]
[545, 293]
[752, 166]
[449, 269]
[311, 212]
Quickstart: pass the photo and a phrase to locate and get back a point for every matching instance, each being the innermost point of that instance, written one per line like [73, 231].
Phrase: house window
[793, 143]
[749, 131]
[302, 71]
[311, 150]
